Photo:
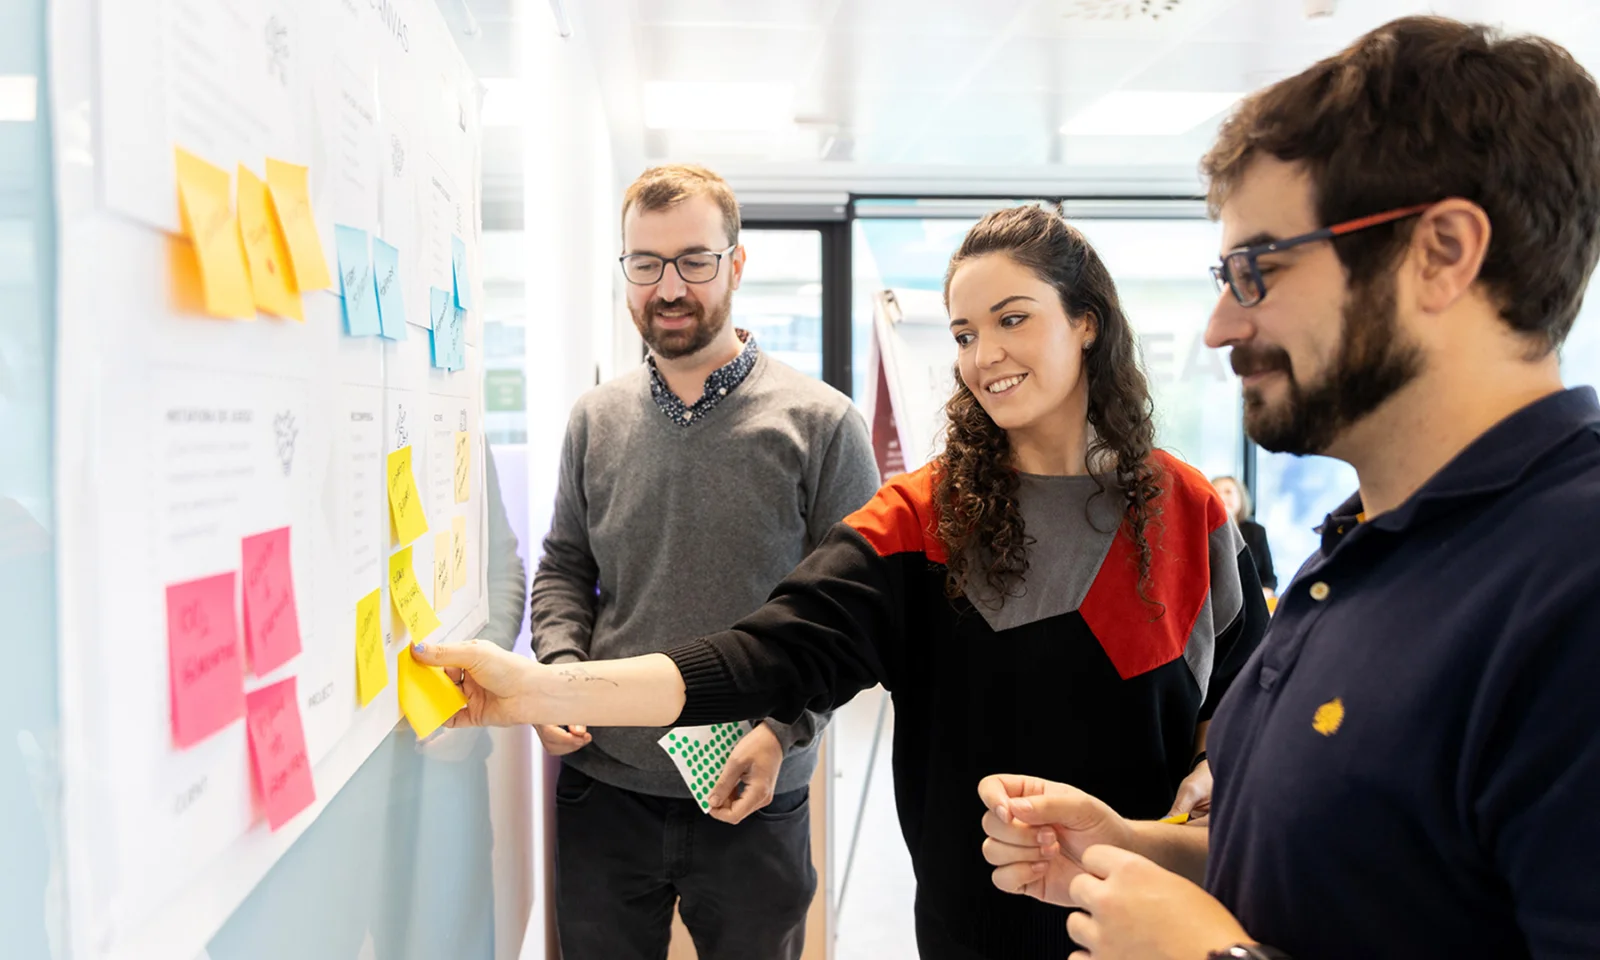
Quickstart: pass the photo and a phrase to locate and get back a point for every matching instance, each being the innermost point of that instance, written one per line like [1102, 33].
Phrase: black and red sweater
[1075, 678]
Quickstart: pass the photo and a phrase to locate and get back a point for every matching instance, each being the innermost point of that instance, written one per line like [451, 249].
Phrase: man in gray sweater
[689, 487]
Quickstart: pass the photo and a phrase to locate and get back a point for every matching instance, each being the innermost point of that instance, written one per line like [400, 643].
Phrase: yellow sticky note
[405, 506]
[372, 671]
[441, 570]
[406, 594]
[271, 277]
[291, 202]
[458, 553]
[427, 697]
[210, 225]
[463, 467]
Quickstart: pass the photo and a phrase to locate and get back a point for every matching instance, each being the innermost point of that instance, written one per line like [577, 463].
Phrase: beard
[672, 344]
[1372, 364]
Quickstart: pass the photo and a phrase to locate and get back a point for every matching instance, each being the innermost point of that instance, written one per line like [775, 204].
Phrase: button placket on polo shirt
[1318, 585]
[1301, 616]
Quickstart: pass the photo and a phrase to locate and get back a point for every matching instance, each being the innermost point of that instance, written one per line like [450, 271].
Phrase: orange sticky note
[186, 292]
[405, 505]
[463, 466]
[291, 202]
[278, 753]
[441, 571]
[372, 671]
[271, 277]
[427, 696]
[210, 225]
[406, 594]
[458, 553]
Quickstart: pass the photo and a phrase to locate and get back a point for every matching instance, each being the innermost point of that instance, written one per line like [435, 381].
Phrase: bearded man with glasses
[689, 488]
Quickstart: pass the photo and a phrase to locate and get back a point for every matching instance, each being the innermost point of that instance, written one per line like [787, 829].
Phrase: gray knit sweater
[664, 532]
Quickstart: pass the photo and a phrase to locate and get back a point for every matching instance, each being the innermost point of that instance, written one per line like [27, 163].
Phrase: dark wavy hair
[979, 521]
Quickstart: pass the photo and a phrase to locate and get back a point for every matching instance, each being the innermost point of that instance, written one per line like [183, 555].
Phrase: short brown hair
[1426, 108]
[661, 187]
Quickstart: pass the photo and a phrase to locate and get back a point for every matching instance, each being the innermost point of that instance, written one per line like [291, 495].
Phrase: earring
[1087, 344]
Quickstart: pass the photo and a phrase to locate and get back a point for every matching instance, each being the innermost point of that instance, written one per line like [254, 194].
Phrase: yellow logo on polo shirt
[1328, 717]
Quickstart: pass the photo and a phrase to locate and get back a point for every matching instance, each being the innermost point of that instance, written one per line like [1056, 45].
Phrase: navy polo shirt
[1409, 765]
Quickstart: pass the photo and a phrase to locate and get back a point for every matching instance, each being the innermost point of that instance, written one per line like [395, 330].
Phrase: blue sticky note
[391, 301]
[439, 308]
[360, 297]
[441, 316]
[458, 271]
[458, 341]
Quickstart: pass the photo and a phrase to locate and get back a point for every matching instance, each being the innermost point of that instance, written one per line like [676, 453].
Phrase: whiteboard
[178, 434]
[912, 351]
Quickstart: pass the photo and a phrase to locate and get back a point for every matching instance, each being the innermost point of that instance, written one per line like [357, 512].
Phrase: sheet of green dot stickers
[700, 754]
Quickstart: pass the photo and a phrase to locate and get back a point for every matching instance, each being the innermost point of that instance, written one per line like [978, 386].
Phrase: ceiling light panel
[1147, 113]
[678, 105]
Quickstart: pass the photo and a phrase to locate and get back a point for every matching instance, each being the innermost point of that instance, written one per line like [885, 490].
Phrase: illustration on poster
[277, 36]
[284, 426]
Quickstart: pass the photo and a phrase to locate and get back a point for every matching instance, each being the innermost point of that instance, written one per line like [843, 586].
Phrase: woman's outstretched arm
[831, 629]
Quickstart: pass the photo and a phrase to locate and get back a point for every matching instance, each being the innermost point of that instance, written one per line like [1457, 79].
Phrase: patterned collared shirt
[722, 382]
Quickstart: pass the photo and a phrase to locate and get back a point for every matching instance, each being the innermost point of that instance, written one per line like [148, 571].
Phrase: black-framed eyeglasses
[1240, 273]
[698, 267]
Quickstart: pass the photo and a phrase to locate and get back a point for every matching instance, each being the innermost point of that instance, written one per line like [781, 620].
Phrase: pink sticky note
[278, 753]
[205, 668]
[271, 624]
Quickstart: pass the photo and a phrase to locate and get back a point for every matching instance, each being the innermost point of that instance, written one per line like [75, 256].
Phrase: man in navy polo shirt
[1410, 764]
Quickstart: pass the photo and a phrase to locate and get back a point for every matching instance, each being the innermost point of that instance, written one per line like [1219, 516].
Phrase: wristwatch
[1249, 951]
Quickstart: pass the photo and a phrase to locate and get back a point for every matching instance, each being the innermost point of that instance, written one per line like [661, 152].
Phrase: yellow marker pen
[1175, 818]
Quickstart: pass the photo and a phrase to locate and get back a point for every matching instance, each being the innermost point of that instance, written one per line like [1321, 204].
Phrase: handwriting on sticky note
[427, 696]
[278, 753]
[291, 203]
[463, 466]
[391, 296]
[271, 277]
[458, 553]
[458, 340]
[271, 620]
[439, 312]
[405, 506]
[206, 210]
[205, 667]
[357, 291]
[372, 670]
[406, 594]
[440, 316]
[441, 571]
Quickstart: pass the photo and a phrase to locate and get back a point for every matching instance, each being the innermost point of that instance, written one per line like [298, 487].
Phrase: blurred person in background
[1241, 507]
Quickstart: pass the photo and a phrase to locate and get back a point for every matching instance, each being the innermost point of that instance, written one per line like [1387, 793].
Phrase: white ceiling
[945, 96]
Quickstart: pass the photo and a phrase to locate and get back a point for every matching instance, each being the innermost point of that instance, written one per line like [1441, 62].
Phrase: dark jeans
[623, 858]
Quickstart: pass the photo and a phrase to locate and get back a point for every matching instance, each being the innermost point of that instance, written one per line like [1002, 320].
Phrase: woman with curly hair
[1050, 595]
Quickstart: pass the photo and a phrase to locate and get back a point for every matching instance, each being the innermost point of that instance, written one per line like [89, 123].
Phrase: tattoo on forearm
[580, 675]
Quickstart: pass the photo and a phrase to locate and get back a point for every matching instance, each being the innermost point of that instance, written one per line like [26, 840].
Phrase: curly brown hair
[976, 478]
